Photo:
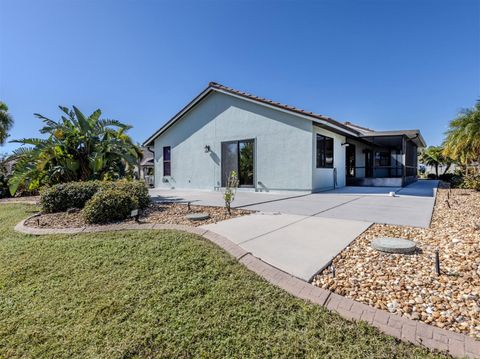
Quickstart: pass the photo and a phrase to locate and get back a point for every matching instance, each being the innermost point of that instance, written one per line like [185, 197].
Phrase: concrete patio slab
[215, 198]
[306, 206]
[412, 206]
[299, 245]
[403, 211]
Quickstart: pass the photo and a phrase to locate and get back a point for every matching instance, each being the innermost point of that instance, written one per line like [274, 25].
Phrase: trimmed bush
[109, 205]
[135, 189]
[63, 196]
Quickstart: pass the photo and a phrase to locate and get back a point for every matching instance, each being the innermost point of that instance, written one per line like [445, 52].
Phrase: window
[324, 152]
[167, 171]
[382, 159]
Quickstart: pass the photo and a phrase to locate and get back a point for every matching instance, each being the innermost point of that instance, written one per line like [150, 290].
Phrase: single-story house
[275, 147]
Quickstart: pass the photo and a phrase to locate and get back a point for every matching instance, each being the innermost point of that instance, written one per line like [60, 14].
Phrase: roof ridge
[281, 105]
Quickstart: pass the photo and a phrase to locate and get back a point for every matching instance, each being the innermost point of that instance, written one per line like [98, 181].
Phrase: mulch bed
[161, 213]
[407, 284]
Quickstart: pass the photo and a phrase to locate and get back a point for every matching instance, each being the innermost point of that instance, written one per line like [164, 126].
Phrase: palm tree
[6, 122]
[463, 136]
[77, 148]
[433, 156]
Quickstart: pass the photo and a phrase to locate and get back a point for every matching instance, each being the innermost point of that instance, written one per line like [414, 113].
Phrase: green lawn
[157, 294]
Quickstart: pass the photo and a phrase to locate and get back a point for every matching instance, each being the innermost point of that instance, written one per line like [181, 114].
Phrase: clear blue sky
[383, 64]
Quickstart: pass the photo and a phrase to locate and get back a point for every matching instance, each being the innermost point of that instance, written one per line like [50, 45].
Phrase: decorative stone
[394, 245]
[197, 216]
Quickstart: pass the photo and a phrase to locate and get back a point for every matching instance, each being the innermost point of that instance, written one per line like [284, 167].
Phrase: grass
[158, 294]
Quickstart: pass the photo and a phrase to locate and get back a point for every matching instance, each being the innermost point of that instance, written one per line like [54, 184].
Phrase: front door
[238, 156]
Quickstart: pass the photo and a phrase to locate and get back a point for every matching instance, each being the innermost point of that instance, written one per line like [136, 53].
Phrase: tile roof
[283, 106]
[348, 128]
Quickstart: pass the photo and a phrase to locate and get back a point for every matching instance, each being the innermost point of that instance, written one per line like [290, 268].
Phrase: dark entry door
[238, 156]
[350, 160]
[368, 163]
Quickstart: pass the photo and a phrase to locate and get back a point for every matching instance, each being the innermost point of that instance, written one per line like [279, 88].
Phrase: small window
[166, 161]
[382, 159]
[324, 152]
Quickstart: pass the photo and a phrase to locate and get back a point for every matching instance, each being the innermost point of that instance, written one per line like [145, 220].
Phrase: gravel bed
[162, 213]
[407, 284]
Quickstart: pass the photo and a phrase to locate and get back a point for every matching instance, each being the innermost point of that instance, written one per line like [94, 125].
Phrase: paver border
[408, 330]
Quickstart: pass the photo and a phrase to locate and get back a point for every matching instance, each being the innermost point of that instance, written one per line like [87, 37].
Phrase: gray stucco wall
[283, 145]
[323, 178]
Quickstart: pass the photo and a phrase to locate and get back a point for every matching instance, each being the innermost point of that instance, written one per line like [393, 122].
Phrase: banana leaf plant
[76, 148]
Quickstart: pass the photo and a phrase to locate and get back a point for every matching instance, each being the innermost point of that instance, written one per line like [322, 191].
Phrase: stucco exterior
[273, 147]
[283, 145]
[325, 178]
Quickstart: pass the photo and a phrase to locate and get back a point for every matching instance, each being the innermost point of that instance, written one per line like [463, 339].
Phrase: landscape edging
[413, 331]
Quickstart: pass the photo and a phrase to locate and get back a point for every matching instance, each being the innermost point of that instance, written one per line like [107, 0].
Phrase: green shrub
[135, 189]
[454, 179]
[471, 182]
[109, 205]
[63, 196]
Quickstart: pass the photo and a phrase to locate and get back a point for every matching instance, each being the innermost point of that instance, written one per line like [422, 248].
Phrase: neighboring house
[146, 167]
[275, 147]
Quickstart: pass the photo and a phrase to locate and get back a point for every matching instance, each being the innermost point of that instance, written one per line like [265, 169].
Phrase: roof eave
[149, 141]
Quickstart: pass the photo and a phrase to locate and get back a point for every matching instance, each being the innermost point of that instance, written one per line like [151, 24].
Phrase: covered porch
[387, 159]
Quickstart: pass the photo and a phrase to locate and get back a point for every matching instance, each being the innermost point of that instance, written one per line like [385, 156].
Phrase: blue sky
[383, 64]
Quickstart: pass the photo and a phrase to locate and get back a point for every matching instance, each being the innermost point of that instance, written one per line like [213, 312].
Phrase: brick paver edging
[419, 333]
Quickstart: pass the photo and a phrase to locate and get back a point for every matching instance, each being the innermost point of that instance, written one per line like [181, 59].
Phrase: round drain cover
[394, 245]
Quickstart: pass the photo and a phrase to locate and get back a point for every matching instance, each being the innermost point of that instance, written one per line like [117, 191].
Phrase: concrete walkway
[301, 233]
[299, 245]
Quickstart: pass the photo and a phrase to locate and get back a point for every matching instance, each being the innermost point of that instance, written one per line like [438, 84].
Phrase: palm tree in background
[463, 136]
[6, 122]
[434, 156]
[78, 148]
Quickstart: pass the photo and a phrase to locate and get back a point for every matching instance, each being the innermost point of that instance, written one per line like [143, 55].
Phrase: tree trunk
[447, 168]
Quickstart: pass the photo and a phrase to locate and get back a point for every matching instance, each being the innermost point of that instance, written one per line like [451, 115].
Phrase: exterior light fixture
[345, 144]
[207, 148]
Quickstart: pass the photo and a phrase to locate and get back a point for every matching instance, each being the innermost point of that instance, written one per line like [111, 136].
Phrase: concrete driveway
[301, 233]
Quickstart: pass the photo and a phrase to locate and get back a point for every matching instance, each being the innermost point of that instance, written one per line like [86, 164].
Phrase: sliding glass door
[239, 156]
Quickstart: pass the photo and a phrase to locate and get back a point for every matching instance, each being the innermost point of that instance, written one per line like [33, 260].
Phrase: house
[275, 147]
[145, 167]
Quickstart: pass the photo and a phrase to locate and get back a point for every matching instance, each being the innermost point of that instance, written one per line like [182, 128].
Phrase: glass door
[239, 156]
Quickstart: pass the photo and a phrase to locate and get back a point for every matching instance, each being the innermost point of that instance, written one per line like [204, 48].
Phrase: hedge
[62, 197]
